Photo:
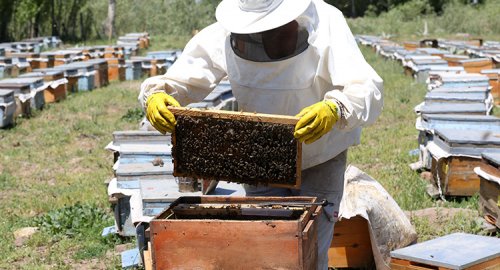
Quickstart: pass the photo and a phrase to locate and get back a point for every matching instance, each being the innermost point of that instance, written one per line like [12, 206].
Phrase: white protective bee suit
[329, 67]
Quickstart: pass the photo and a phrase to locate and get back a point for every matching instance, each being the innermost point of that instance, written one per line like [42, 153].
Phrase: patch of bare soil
[439, 215]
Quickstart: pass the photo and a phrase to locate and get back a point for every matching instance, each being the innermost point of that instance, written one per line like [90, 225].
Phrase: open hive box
[236, 147]
[489, 187]
[231, 232]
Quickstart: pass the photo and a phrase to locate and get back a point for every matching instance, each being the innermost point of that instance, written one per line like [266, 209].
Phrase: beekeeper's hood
[267, 30]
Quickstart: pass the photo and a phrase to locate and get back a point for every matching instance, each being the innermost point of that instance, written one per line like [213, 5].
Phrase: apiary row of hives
[458, 138]
[143, 184]
[31, 76]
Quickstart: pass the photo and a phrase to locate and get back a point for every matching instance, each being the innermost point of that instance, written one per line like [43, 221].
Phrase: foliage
[55, 160]
[417, 18]
[134, 115]
[355, 8]
[73, 220]
[80, 20]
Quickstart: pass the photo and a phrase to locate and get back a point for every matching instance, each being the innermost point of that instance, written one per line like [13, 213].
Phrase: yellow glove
[158, 114]
[315, 121]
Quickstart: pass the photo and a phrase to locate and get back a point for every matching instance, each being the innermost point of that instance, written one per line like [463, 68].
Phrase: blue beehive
[464, 80]
[86, 75]
[7, 107]
[134, 70]
[170, 56]
[36, 86]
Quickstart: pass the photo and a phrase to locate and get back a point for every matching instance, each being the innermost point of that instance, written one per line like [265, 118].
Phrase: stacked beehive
[144, 185]
[456, 130]
[71, 70]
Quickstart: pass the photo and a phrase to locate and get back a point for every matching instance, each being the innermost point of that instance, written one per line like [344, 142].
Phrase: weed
[133, 115]
[78, 219]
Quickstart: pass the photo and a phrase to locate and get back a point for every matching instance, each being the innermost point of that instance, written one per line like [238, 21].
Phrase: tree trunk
[110, 21]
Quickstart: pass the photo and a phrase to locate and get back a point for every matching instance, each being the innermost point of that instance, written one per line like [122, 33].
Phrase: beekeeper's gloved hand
[315, 121]
[158, 114]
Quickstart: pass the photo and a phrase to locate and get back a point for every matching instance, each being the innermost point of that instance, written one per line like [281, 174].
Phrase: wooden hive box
[101, 75]
[489, 187]
[475, 65]
[36, 86]
[22, 97]
[411, 46]
[494, 76]
[147, 65]
[133, 70]
[7, 107]
[61, 58]
[114, 52]
[152, 67]
[351, 245]
[72, 75]
[116, 69]
[234, 232]
[236, 147]
[453, 59]
[46, 60]
[57, 88]
[143, 38]
[86, 74]
[454, 172]
[458, 251]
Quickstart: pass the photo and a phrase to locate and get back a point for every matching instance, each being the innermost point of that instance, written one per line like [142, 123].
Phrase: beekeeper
[284, 57]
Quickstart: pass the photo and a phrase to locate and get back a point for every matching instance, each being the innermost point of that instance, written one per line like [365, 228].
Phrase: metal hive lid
[6, 92]
[34, 81]
[454, 251]
[454, 108]
[462, 117]
[472, 89]
[473, 97]
[469, 137]
[140, 136]
[144, 169]
[145, 149]
[493, 158]
[467, 77]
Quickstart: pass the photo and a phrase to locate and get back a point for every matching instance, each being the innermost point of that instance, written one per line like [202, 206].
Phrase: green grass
[53, 167]
[408, 21]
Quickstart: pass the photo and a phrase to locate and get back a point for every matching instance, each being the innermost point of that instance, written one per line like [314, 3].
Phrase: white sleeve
[196, 72]
[358, 90]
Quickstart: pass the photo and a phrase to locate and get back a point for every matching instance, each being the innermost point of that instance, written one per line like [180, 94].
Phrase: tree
[110, 21]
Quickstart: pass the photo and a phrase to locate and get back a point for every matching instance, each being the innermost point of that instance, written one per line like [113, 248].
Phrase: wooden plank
[397, 264]
[489, 193]
[213, 244]
[351, 244]
[460, 178]
[488, 265]
[240, 116]
[148, 261]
